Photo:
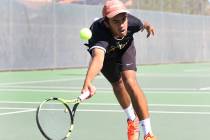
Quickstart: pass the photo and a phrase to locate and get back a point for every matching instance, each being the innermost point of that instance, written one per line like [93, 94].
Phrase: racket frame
[72, 112]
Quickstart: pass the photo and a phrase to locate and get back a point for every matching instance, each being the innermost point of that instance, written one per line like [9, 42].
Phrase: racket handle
[84, 95]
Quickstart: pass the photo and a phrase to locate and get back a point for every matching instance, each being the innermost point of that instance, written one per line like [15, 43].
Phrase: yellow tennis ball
[85, 34]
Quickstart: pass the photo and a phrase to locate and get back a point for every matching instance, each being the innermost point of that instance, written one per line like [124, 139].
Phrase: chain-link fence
[37, 34]
[195, 7]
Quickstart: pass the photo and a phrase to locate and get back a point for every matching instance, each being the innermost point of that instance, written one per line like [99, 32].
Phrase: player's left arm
[149, 28]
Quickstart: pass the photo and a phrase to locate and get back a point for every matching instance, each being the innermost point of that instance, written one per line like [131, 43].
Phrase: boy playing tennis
[113, 53]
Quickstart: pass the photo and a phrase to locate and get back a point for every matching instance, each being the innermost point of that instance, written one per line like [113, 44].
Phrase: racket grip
[84, 95]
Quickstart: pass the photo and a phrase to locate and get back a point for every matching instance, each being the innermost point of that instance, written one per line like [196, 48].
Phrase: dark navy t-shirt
[102, 37]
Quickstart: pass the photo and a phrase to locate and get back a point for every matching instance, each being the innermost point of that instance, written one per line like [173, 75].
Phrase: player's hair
[106, 20]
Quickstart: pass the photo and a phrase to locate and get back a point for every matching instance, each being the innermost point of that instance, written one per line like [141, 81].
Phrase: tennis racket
[55, 119]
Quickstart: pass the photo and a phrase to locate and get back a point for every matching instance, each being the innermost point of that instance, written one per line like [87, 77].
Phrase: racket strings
[54, 119]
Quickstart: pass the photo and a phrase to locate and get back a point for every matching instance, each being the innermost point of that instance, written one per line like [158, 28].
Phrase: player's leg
[121, 93]
[136, 94]
[111, 71]
[139, 102]
[124, 100]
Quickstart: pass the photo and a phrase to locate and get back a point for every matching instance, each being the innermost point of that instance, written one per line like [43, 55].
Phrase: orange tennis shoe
[133, 129]
[149, 136]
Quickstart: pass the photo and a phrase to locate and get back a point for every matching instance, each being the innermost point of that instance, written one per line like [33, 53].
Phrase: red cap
[113, 7]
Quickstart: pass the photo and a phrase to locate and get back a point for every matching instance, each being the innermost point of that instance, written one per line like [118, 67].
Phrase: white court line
[98, 88]
[16, 108]
[180, 112]
[110, 104]
[18, 102]
[101, 77]
[105, 92]
[174, 75]
[197, 70]
[39, 90]
[39, 81]
[178, 105]
[205, 88]
[43, 87]
[44, 81]
[17, 112]
[114, 111]
[152, 112]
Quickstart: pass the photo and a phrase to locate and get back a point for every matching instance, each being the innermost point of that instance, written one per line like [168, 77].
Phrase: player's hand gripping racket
[55, 119]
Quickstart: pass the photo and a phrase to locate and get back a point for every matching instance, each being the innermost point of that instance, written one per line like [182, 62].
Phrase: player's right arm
[94, 68]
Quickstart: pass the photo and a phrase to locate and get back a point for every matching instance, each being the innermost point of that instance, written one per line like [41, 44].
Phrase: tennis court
[178, 96]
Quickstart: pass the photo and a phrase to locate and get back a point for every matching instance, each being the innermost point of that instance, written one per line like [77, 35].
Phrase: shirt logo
[119, 46]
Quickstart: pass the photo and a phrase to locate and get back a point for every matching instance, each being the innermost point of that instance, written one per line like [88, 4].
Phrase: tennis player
[113, 53]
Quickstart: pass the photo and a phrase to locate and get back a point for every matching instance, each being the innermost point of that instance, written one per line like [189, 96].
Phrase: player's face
[119, 25]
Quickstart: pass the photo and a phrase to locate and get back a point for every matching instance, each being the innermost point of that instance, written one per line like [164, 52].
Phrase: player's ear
[106, 22]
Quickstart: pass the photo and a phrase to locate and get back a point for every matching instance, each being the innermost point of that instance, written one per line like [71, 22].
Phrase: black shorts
[113, 67]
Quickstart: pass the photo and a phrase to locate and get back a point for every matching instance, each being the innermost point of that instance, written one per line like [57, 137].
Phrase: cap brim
[113, 14]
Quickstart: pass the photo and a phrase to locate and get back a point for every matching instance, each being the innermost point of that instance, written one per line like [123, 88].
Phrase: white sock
[146, 126]
[130, 112]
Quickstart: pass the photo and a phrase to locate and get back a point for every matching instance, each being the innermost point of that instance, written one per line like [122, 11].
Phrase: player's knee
[118, 83]
[130, 82]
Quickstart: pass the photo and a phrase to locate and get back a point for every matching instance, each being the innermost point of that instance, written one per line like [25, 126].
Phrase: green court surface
[178, 97]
